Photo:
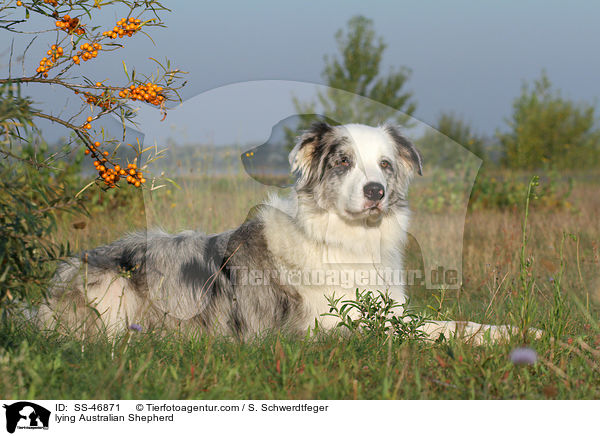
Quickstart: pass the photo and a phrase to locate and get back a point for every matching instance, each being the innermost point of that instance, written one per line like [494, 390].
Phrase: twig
[31, 162]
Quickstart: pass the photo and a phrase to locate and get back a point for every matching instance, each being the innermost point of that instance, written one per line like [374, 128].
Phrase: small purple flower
[523, 356]
[136, 327]
[551, 279]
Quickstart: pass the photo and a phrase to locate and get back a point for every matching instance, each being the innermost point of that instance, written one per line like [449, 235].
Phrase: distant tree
[357, 69]
[460, 131]
[548, 131]
[437, 149]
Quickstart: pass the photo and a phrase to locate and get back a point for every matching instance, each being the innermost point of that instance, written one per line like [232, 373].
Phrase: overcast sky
[469, 57]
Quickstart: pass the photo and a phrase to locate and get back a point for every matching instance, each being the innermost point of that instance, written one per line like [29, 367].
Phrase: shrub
[37, 185]
[549, 131]
[375, 313]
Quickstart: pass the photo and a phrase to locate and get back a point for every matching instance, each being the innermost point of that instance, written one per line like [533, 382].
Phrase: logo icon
[26, 415]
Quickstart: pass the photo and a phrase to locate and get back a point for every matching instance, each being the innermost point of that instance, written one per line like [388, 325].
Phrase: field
[551, 282]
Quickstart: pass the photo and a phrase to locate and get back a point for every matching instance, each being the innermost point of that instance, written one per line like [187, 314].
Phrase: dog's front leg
[472, 332]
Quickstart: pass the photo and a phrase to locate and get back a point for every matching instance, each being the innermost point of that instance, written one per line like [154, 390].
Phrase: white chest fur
[322, 255]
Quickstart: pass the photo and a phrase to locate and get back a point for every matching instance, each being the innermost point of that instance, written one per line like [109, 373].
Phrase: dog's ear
[406, 149]
[306, 155]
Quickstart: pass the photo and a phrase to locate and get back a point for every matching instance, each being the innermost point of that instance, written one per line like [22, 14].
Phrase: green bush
[374, 313]
[32, 197]
[492, 190]
[507, 191]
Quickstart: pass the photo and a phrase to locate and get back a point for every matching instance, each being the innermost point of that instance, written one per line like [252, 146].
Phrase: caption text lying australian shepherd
[349, 213]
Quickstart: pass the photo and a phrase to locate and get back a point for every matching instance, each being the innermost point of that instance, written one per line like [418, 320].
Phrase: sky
[466, 57]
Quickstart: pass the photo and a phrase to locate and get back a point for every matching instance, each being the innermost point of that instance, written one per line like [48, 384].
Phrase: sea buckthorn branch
[109, 171]
[79, 41]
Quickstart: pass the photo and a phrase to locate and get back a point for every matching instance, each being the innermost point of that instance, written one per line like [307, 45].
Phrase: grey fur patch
[406, 149]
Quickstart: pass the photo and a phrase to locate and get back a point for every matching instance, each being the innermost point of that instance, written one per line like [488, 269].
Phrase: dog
[344, 228]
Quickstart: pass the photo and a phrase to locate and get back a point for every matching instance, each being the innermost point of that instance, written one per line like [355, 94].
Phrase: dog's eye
[344, 161]
[385, 164]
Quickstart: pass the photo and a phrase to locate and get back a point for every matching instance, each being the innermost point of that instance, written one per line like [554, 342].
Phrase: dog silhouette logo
[26, 415]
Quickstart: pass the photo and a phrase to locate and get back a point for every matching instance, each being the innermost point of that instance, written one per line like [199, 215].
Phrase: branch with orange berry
[79, 40]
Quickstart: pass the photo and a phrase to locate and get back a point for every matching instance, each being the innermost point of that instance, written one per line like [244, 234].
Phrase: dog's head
[358, 171]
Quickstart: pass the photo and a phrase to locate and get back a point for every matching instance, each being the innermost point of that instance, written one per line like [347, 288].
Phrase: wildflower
[135, 327]
[523, 356]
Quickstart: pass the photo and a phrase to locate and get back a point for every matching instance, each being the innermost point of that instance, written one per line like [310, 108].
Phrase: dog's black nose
[374, 191]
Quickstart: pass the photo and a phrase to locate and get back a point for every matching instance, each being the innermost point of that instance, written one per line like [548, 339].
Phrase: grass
[546, 277]
[137, 366]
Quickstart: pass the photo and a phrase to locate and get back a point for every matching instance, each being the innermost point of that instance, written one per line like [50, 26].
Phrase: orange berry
[132, 171]
[122, 172]
[66, 18]
[143, 180]
[87, 126]
[87, 151]
[96, 144]
[19, 3]
[75, 58]
[137, 184]
[59, 50]
[105, 153]
[117, 168]
[89, 119]
[96, 163]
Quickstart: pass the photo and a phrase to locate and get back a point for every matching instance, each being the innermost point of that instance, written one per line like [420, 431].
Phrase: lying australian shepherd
[274, 272]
